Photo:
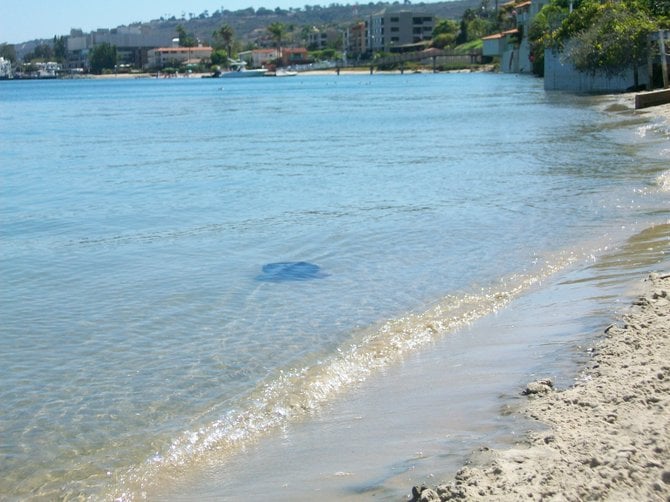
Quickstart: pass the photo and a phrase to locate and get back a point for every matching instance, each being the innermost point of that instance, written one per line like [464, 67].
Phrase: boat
[238, 69]
[285, 73]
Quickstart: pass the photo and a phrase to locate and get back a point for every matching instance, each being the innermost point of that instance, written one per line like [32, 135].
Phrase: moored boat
[238, 69]
[285, 73]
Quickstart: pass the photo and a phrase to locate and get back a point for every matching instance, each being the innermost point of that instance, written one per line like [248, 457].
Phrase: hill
[247, 22]
[249, 25]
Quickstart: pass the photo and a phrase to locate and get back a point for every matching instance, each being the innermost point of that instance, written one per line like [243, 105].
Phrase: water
[139, 346]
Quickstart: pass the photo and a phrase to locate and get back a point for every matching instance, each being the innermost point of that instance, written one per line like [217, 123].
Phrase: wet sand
[605, 438]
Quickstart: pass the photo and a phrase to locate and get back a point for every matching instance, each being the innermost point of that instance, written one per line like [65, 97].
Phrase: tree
[225, 35]
[660, 9]
[544, 24]
[60, 48]
[445, 33]
[43, 52]
[609, 37]
[479, 27]
[102, 57]
[277, 31]
[8, 52]
[185, 39]
[219, 57]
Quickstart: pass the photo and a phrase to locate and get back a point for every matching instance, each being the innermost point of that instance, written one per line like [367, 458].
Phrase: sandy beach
[312, 73]
[605, 438]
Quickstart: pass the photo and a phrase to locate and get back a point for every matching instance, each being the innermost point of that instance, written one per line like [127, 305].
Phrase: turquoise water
[137, 216]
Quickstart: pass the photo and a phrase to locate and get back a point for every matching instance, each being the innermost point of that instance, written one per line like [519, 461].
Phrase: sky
[24, 20]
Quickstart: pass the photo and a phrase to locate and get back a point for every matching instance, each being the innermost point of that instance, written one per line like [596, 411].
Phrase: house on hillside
[512, 46]
[504, 45]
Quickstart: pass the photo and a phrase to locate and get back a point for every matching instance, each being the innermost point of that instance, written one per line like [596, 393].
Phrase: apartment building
[132, 44]
[355, 41]
[389, 31]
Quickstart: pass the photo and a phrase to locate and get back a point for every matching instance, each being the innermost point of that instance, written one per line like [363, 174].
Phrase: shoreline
[310, 73]
[607, 437]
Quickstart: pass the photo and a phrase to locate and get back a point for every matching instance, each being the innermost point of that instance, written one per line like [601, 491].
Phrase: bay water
[456, 232]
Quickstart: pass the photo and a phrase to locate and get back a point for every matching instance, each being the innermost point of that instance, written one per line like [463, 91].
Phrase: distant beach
[311, 73]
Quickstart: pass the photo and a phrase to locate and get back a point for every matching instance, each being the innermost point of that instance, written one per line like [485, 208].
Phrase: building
[49, 69]
[512, 45]
[132, 45]
[5, 68]
[504, 45]
[318, 39]
[258, 58]
[387, 31]
[355, 42]
[294, 56]
[177, 56]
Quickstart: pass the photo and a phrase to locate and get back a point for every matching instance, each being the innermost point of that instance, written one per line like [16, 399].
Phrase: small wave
[663, 181]
[659, 126]
[299, 392]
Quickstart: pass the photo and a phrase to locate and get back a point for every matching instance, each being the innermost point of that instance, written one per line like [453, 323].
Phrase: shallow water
[138, 345]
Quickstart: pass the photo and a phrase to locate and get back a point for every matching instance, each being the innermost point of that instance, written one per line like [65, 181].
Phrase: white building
[48, 70]
[258, 58]
[5, 68]
[176, 56]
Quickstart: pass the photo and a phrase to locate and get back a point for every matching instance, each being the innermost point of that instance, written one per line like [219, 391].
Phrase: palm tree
[226, 35]
[277, 31]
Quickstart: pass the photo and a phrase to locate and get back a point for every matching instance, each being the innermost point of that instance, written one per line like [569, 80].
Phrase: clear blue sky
[23, 20]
